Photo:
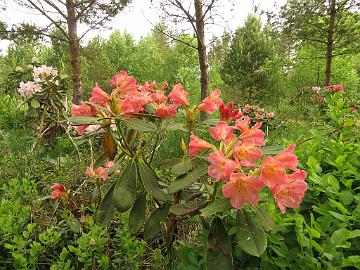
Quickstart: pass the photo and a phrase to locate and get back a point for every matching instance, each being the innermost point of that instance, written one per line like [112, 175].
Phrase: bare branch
[81, 12]
[48, 17]
[56, 8]
[209, 7]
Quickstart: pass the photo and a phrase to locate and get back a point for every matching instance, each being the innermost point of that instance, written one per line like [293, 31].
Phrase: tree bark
[330, 41]
[201, 48]
[74, 52]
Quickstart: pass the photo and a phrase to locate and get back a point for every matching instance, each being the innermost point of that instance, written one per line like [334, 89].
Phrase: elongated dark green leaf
[137, 214]
[265, 219]
[219, 251]
[169, 163]
[187, 180]
[182, 209]
[140, 125]
[106, 209]
[84, 120]
[116, 164]
[218, 205]
[182, 167]
[251, 236]
[124, 193]
[150, 182]
[272, 150]
[153, 225]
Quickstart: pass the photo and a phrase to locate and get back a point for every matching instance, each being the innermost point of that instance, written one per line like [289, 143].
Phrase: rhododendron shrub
[45, 96]
[225, 166]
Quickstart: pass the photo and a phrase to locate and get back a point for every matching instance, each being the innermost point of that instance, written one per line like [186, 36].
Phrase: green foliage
[244, 63]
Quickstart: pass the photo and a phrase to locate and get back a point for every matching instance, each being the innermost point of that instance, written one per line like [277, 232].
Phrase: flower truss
[237, 161]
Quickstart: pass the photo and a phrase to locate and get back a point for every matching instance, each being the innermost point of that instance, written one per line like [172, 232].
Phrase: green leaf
[251, 236]
[124, 193]
[35, 103]
[182, 167]
[176, 126]
[106, 208]
[140, 125]
[150, 182]
[97, 106]
[153, 225]
[352, 261]
[182, 209]
[272, 150]
[210, 122]
[219, 250]
[265, 219]
[187, 180]
[137, 214]
[84, 120]
[339, 236]
[73, 224]
[215, 207]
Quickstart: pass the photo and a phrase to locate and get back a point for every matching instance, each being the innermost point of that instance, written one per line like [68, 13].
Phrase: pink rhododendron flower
[158, 97]
[336, 87]
[246, 155]
[287, 158]
[44, 72]
[178, 95]
[211, 103]
[316, 88]
[58, 191]
[222, 131]
[259, 116]
[247, 108]
[269, 115]
[134, 103]
[242, 189]
[28, 89]
[253, 136]
[101, 173]
[99, 96]
[83, 110]
[291, 193]
[272, 172]
[228, 114]
[164, 85]
[123, 82]
[164, 111]
[196, 144]
[221, 167]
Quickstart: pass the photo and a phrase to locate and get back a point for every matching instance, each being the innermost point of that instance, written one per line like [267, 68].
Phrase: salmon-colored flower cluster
[59, 191]
[129, 98]
[238, 162]
[257, 113]
[101, 172]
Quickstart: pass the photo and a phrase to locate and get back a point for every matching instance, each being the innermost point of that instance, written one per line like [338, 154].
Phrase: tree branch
[56, 8]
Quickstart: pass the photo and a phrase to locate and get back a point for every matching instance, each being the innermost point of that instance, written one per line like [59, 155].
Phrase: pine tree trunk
[330, 42]
[74, 52]
[201, 48]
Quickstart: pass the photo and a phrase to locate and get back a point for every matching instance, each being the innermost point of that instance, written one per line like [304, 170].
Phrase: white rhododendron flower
[28, 89]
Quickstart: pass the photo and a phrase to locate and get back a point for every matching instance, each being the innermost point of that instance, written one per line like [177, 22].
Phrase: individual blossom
[134, 102]
[59, 191]
[316, 88]
[211, 103]
[163, 111]
[222, 131]
[158, 97]
[272, 172]
[99, 96]
[228, 114]
[290, 194]
[164, 86]
[269, 115]
[100, 173]
[221, 167]
[242, 189]
[44, 72]
[287, 158]
[29, 88]
[253, 135]
[196, 145]
[246, 155]
[123, 82]
[179, 96]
